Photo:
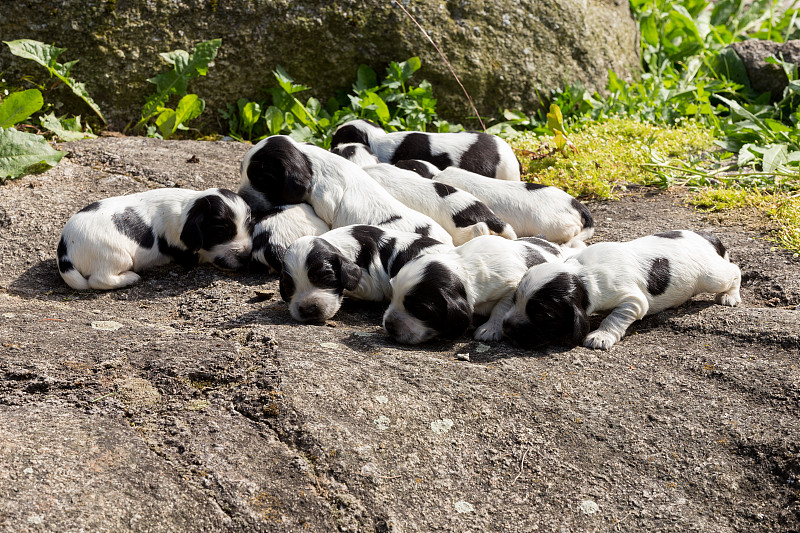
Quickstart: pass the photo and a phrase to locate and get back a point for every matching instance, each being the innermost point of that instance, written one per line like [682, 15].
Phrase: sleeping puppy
[632, 279]
[530, 208]
[462, 215]
[281, 226]
[107, 242]
[354, 261]
[279, 171]
[438, 294]
[487, 155]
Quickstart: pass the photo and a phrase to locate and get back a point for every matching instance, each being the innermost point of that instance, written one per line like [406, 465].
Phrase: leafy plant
[47, 56]
[186, 66]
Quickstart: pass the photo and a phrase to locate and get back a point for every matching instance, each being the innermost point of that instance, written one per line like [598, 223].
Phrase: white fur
[420, 194]
[105, 258]
[546, 211]
[281, 227]
[454, 145]
[615, 276]
[349, 241]
[489, 268]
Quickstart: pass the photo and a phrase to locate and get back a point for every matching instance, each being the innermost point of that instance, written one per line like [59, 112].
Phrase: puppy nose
[391, 328]
[308, 311]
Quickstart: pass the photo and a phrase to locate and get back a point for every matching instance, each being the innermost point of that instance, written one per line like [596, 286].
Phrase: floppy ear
[286, 286]
[351, 273]
[192, 233]
[457, 319]
[280, 171]
[580, 326]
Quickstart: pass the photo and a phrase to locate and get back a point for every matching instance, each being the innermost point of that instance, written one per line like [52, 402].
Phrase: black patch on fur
[423, 230]
[534, 186]
[385, 252]
[130, 224]
[482, 157]
[658, 276]
[442, 189]
[349, 151]
[533, 257]
[541, 243]
[586, 216]
[327, 268]
[393, 266]
[714, 240]
[389, 220]
[210, 222]
[64, 264]
[273, 254]
[674, 234]
[478, 212]
[185, 258]
[556, 311]
[368, 238]
[415, 165]
[230, 195]
[349, 133]
[418, 146]
[439, 300]
[94, 206]
[286, 286]
[280, 172]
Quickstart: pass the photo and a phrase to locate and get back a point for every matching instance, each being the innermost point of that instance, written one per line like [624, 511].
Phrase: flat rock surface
[193, 402]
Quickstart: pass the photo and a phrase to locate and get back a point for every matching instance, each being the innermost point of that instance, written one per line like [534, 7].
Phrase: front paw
[600, 340]
[488, 332]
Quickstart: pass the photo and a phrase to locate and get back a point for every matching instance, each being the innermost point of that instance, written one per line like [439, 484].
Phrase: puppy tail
[75, 279]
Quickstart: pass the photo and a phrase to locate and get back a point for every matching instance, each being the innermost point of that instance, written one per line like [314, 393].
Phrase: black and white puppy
[530, 208]
[106, 243]
[438, 294]
[482, 153]
[281, 226]
[631, 279]
[279, 171]
[355, 261]
[462, 215]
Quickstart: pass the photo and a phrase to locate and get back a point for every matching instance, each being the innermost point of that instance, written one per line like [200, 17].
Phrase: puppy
[281, 226]
[531, 209]
[438, 294]
[279, 171]
[461, 214]
[354, 261]
[107, 242]
[482, 153]
[632, 279]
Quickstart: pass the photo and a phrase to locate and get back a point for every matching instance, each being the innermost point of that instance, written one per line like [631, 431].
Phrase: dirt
[193, 402]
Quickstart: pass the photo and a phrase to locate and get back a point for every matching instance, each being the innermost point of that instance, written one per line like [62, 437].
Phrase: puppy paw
[488, 332]
[731, 300]
[600, 340]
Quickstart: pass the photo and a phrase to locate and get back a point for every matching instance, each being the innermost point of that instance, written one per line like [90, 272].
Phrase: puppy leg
[726, 285]
[492, 329]
[614, 326]
[462, 235]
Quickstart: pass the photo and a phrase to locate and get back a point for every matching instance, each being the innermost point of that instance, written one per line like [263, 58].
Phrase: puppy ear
[580, 326]
[457, 319]
[192, 233]
[280, 171]
[351, 273]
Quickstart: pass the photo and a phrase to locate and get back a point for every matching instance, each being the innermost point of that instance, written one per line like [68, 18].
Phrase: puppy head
[313, 278]
[423, 168]
[275, 172]
[549, 305]
[356, 131]
[218, 227]
[428, 299]
[360, 154]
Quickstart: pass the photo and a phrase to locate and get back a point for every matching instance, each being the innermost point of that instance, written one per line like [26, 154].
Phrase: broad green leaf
[730, 65]
[18, 106]
[729, 145]
[649, 30]
[775, 156]
[367, 79]
[745, 155]
[189, 107]
[24, 153]
[274, 118]
[301, 133]
[250, 114]
[166, 123]
[409, 67]
[376, 103]
[286, 82]
[555, 119]
[67, 132]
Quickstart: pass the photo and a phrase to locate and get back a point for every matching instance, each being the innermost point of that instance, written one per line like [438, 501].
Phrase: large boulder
[766, 77]
[506, 52]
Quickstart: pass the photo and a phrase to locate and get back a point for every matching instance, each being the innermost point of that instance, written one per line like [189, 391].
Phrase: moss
[608, 155]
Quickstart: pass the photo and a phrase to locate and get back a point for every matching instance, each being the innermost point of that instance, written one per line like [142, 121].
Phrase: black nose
[391, 328]
[308, 311]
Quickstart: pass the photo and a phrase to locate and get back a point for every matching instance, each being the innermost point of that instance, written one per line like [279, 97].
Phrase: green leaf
[71, 131]
[731, 66]
[250, 114]
[274, 118]
[375, 103]
[190, 107]
[286, 82]
[166, 123]
[649, 30]
[19, 106]
[745, 155]
[409, 67]
[775, 156]
[46, 56]
[24, 153]
[555, 119]
[367, 79]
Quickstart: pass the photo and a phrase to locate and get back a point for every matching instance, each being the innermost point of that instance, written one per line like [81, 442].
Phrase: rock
[505, 52]
[766, 77]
